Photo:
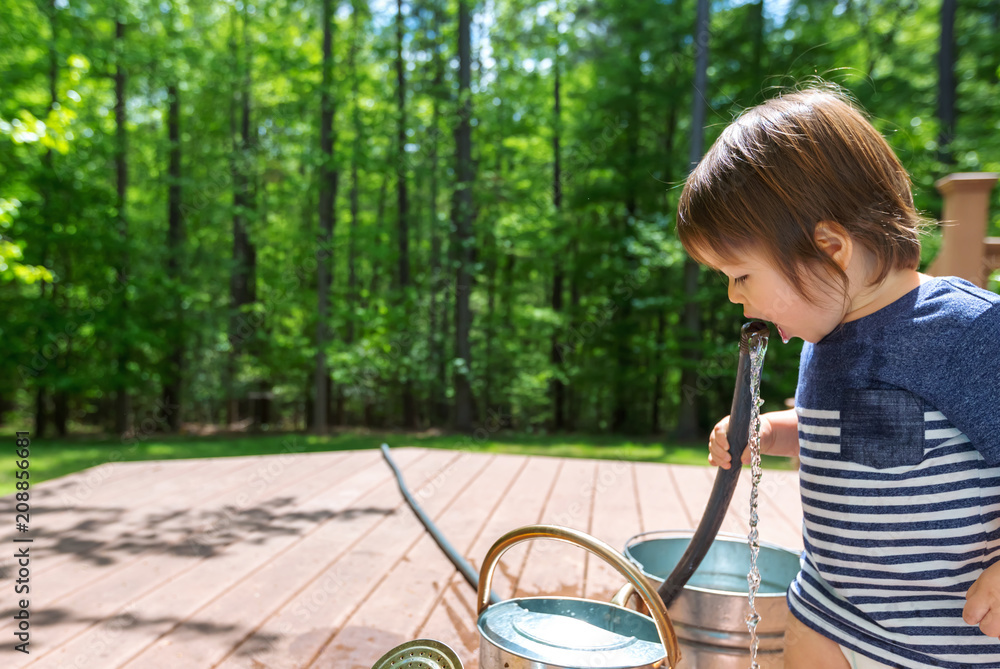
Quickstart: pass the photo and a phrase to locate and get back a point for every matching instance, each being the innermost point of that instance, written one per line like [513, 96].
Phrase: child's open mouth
[781, 333]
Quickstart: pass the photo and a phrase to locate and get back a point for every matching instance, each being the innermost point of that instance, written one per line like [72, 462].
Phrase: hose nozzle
[750, 330]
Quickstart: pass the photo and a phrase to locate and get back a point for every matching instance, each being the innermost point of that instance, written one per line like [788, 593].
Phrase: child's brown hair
[784, 166]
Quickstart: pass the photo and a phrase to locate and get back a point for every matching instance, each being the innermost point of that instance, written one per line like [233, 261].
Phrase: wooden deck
[314, 560]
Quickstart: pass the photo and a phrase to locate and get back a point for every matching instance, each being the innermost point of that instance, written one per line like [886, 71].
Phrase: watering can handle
[623, 595]
[631, 573]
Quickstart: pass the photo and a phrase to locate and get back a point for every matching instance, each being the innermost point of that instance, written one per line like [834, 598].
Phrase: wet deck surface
[314, 560]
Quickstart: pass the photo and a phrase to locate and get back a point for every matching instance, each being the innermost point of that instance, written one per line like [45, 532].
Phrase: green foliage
[98, 298]
[26, 129]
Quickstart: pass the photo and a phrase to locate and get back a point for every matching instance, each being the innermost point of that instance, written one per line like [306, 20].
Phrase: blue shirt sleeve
[969, 395]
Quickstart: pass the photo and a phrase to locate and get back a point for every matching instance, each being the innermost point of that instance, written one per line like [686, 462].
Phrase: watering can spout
[738, 433]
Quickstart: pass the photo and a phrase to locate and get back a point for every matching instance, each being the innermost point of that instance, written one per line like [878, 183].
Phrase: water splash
[758, 346]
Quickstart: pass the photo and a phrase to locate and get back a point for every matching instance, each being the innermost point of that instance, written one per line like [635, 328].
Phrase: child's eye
[740, 279]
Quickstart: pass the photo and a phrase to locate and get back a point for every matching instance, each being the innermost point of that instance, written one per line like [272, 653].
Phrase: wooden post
[965, 250]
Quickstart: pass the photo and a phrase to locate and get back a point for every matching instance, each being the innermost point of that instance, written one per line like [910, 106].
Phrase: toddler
[808, 212]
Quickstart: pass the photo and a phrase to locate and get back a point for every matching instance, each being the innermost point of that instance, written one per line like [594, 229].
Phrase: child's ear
[834, 241]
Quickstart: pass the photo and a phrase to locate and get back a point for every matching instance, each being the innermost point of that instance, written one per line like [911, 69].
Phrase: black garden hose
[725, 479]
[463, 566]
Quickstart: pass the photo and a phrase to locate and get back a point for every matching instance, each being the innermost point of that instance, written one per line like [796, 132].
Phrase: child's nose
[735, 295]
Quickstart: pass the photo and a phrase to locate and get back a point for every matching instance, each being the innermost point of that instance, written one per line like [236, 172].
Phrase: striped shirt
[900, 477]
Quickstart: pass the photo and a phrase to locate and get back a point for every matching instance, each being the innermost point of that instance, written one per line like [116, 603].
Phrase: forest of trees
[301, 214]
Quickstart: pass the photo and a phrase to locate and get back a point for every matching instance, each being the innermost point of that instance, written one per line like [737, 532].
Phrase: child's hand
[982, 602]
[718, 446]
[718, 443]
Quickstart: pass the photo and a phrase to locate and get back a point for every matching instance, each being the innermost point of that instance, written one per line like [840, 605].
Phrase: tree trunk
[505, 366]
[352, 274]
[687, 421]
[403, 205]
[60, 409]
[41, 412]
[670, 132]
[373, 280]
[241, 284]
[557, 387]
[48, 213]
[60, 396]
[175, 243]
[232, 407]
[623, 366]
[309, 403]
[946, 82]
[572, 398]
[248, 156]
[491, 329]
[623, 314]
[438, 329]
[327, 200]
[661, 328]
[495, 368]
[463, 236]
[123, 402]
[403, 232]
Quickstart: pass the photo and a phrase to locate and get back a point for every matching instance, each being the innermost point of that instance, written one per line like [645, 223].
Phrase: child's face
[767, 295]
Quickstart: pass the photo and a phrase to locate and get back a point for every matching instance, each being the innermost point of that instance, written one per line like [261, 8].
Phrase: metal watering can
[556, 632]
[542, 632]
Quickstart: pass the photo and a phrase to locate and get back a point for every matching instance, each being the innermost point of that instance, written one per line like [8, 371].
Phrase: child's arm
[779, 435]
[982, 602]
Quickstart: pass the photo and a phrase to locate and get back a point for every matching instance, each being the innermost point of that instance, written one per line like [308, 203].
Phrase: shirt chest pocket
[882, 428]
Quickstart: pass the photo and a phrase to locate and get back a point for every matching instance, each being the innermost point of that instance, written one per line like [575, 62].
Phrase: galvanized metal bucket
[557, 632]
[709, 615]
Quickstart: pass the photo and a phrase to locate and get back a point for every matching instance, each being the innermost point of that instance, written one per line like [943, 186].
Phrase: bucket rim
[729, 537]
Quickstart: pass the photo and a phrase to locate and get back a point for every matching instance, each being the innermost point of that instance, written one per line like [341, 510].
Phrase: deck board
[242, 610]
[183, 553]
[661, 506]
[79, 517]
[116, 551]
[254, 560]
[615, 517]
[314, 560]
[307, 624]
[549, 567]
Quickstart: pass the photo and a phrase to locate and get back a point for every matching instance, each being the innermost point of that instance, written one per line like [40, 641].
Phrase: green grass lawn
[51, 458]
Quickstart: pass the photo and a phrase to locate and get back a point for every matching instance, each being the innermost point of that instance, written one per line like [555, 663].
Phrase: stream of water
[758, 346]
